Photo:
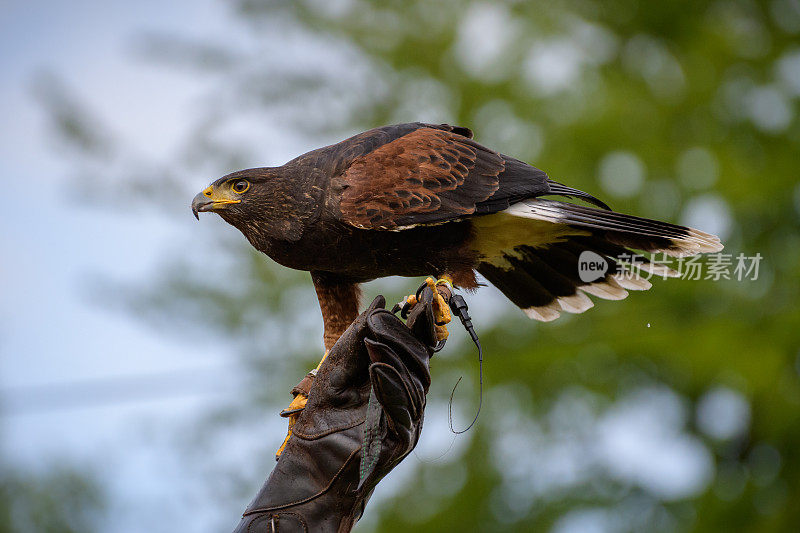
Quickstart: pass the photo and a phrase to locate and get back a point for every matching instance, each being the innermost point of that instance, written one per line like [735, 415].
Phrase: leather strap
[305, 385]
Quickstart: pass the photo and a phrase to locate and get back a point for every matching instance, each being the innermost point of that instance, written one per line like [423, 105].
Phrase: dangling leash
[449, 301]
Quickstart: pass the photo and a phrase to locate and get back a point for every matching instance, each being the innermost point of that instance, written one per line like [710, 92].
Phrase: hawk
[418, 199]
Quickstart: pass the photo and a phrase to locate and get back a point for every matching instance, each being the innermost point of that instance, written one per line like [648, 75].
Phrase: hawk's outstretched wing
[435, 174]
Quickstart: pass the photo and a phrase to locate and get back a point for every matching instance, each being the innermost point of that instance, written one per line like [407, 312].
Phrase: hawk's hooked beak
[211, 199]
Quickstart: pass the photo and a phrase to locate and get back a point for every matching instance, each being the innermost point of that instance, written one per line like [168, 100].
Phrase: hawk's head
[260, 202]
[241, 196]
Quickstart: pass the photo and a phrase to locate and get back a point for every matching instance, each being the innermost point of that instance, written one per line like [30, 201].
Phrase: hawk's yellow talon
[293, 410]
[441, 311]
[283, 446]
[298, 404]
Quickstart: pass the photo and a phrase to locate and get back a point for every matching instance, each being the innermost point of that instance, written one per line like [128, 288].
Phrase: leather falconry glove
[363, 416]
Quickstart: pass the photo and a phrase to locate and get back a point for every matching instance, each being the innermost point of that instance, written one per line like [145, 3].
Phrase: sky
[80, 381]
[56, 253]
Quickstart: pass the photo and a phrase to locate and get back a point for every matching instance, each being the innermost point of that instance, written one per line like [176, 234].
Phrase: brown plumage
[420, 199]
[426, 175]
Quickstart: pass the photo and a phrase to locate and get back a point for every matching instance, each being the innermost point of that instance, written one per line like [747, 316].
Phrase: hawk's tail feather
[565, 252]
[618, 228]
[546, 282]
[560, 189]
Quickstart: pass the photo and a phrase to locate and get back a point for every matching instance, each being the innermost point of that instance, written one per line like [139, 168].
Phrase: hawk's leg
[338, 300]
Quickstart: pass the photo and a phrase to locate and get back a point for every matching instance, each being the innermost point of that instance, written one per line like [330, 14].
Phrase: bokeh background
[145, 355]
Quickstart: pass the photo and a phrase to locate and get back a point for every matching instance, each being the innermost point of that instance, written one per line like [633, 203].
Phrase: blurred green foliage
[63, 499]
[680, 86]
[675, 409]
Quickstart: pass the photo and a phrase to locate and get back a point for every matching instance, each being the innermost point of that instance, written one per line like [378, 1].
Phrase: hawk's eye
[240, 186]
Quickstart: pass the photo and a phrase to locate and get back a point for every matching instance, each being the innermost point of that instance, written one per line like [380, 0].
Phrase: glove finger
[405, 349]
[378, 303]
[413, 394]
[421, 320]
[393, 396]
[385, 355]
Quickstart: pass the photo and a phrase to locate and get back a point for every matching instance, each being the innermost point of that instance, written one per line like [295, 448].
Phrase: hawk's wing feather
[426, 176]
[412, 174]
